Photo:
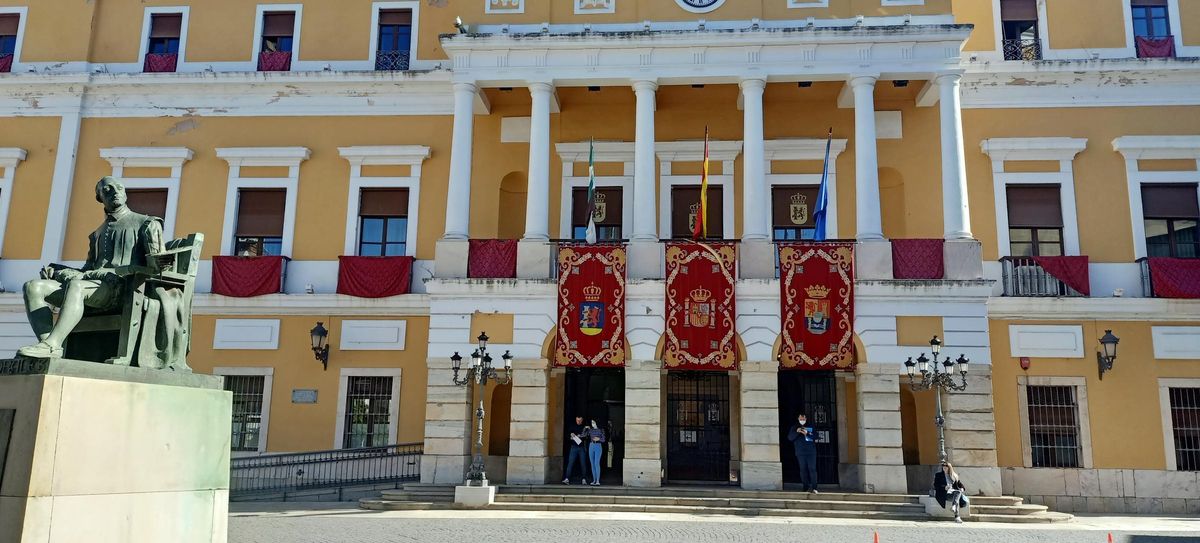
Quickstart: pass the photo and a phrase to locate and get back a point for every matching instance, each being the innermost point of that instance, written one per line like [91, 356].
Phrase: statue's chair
[151, 327]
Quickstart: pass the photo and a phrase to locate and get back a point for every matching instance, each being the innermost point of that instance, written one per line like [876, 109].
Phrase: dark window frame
[1055, 431]
[249, 392]
[384, 242]
[283, 42]
[1172, 221]
[608, 232]
[1184, 403]
[1035, 241]
[1148, 15]
[368, 402]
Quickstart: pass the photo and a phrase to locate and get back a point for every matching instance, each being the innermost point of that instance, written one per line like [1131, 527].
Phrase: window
[685, 206]
[367, 416]
[792, 210]
[260, 222]
[1170, 216]
[395, 37]
[1035, 225]
[276, 48]
[383, 222]
[247, 410]
[1185, 425]
[151, 202]
[162, 50]
[9, 24]
[1019, 19]
[607, 214]
[1150, 19]
[1053, 426]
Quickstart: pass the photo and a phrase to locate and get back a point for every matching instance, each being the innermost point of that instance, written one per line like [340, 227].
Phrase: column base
[881, 479]
[450, 258]
[476, 497]
[762, 475]
[440, 469]
[527, 471]
[963, 259]
[533, 259]
[873, 260]
[756, 260]
[645, 260]
[642, 473]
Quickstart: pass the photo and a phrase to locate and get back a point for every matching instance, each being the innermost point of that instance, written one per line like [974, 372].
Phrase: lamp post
[938, 379]
[479, 370]
[1108, 352]
[320, 348]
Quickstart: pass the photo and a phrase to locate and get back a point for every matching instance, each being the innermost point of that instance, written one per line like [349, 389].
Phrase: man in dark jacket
[805, 447]
[576, 450]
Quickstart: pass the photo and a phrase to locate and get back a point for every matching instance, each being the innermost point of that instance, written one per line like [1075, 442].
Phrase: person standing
[947, 487]
[805, 447]
[577, 450]
[595, 438]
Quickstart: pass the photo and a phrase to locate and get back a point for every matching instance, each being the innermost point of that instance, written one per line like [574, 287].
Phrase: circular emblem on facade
[700, 6]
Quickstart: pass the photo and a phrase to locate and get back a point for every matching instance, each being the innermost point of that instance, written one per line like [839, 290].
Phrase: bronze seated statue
[130, 303]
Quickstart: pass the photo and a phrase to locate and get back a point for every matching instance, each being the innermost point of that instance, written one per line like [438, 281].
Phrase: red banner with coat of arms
[591, 306]
[817, 295]
[700, 307]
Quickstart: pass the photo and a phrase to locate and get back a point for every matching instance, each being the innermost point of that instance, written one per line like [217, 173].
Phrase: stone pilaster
[447, 427]
[880, 451]
[643, 409]
[761, 468]
[527, 448]
[971, 432]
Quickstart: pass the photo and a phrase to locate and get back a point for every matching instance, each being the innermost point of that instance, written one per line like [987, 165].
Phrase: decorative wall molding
[1136, 148]
[589, 7]
[291, 157]
[268, 375]
[806, 149]
[504, 6]
[1176, 342]
[373, 335]
[1045, 340]
[152, 157]
[1079, 384]
[1062, 150]
[9, 158]
[384, 155]
[393, 406]
[248, 334]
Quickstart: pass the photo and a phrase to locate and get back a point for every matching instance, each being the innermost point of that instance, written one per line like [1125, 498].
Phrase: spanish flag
[700, 231]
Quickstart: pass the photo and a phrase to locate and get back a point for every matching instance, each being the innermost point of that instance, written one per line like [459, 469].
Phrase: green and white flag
[590, 236]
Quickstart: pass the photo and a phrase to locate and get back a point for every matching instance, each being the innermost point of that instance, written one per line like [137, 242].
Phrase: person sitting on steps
[947, 487]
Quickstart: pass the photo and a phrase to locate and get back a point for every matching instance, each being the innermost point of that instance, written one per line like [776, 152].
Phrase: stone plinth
[645, 260]
[761, 468]
[533, 259]
[643, 459]
[756, 260]
[963, 259]
[873, 260]
[935, 510]
[971, 432]
[527, 462]
[447, 426]
[474, 496]
[104, 453]
[450, 258]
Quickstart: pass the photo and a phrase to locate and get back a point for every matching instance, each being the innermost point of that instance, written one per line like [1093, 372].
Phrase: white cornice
[1091, 309]
[385, 155]
[408, 305]
[1158, 147]
[693, 150]
[263, 156]
[146, 157]
[10, 156]
[801, 149]
[605, 151]
[1002, 149]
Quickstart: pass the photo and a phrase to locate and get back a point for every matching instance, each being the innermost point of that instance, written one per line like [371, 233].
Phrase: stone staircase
[711, 501]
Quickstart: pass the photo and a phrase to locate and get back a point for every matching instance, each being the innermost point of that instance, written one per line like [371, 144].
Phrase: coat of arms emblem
[693, 212]
[701, 309]
[599, 208]
[799, 209]
[816, 309]
[591, 311]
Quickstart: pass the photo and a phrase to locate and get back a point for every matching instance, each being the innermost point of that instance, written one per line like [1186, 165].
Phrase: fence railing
[391, 61]
[1147, 285]
[323, 469]
[1024, 277]
[1030, 49]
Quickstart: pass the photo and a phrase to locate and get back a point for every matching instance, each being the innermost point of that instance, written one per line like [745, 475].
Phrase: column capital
[867, 80]
[950, 78]
[466, 86]
[542, 87]
[644, 85]
[753, 84]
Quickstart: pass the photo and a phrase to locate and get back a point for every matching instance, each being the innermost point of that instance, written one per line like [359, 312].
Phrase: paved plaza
[330, 523]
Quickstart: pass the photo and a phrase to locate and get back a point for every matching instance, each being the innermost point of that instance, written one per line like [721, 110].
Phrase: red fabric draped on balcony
[1148, 47]
[160, 63]
[1175, 277]
[247, 276]
[492, 259]
[374, 276]
[274, 61]
[6, 63]
[1071, 270]
[917, 259]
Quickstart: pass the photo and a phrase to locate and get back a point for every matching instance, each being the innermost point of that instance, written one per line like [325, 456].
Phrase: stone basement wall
[1126, 491]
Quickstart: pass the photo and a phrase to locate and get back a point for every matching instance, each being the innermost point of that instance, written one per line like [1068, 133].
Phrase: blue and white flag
[819, 217]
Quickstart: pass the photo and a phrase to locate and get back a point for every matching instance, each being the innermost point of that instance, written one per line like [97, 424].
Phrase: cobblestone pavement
[292, 523]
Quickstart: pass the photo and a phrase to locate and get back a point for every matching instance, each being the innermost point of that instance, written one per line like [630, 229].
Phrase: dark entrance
[598, 394]
[698, 427]
[814, 393]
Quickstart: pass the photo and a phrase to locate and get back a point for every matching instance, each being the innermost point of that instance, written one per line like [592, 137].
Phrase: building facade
[975, 144]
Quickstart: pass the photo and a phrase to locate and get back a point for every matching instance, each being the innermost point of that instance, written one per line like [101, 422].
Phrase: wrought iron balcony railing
[1023, 276]
[324, 469]
[391, 61]
[1023, 49]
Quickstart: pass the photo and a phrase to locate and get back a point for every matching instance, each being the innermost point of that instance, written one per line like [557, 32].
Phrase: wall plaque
[304, 395]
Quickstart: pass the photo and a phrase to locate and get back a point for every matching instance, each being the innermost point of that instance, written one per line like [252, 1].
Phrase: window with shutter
[260, 222]
[395, 39]
[685, 206]
[383, 222]
[278, 28]
[792, 212]
[165, 29]
[1170, 216]
[1035, 226]
[9, 24]
[607, 213]
[151, 202]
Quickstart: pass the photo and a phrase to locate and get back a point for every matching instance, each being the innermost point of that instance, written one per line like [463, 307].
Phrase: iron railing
[1025, 49]
[1147, 284]
[391, 61]
[1024, 277]
[324, 469]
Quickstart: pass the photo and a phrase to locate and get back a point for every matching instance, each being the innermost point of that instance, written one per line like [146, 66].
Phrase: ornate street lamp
[1108, 352]
[479, 370]
[938, 379]
[320, 349]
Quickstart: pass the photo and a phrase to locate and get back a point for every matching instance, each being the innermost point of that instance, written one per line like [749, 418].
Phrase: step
[1007, 509]
[373, 504]
[401, 496]
[704, 493]
[736, 511]
[1039, 518]
[741, 503]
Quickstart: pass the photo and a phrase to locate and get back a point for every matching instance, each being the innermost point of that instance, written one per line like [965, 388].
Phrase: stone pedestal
[963, 259]
[873, 260]
[527, 451]
[879, 437]
[104, 453]
[533, 259]
[935, 510]
[971, 432]
[643, 460]
[645, 260]
[474, 496]
[761, 468]
[450, 258]
[447, 426]
[756, 260]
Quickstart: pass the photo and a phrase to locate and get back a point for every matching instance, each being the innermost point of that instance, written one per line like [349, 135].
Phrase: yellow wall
[1189, 18]
[1125, 403]
[561, 11]
[38, 136]
[1085, 24]
[56, 30]
[306, 427]
[324, 178]
[978, 13]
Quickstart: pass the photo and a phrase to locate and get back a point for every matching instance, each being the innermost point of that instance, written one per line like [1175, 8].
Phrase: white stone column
[527, 448]
[644, 179]
[60, 186]
[537, 202]
[761, 466]
[643, 409]
[957, 216]
[880, 448]
[756, 205]
[447, 426]
[866, 188]
[458, 190]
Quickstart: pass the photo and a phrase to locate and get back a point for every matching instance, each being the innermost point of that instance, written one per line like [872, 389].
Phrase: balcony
[492, 259]
[391, 61]
[1155, 47]
[160, 62]
[6, 62]
[1026, 49]
[1053, 276]
[275, 61]
[1164, 277]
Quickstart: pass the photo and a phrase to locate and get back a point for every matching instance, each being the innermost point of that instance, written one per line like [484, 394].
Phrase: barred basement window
[1054, 427]
[1185, 423]
[247, 410]
[367, 412]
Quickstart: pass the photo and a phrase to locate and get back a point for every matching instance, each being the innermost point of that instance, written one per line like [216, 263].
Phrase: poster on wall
[816, 282]
[700, 309]
[591, 306]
